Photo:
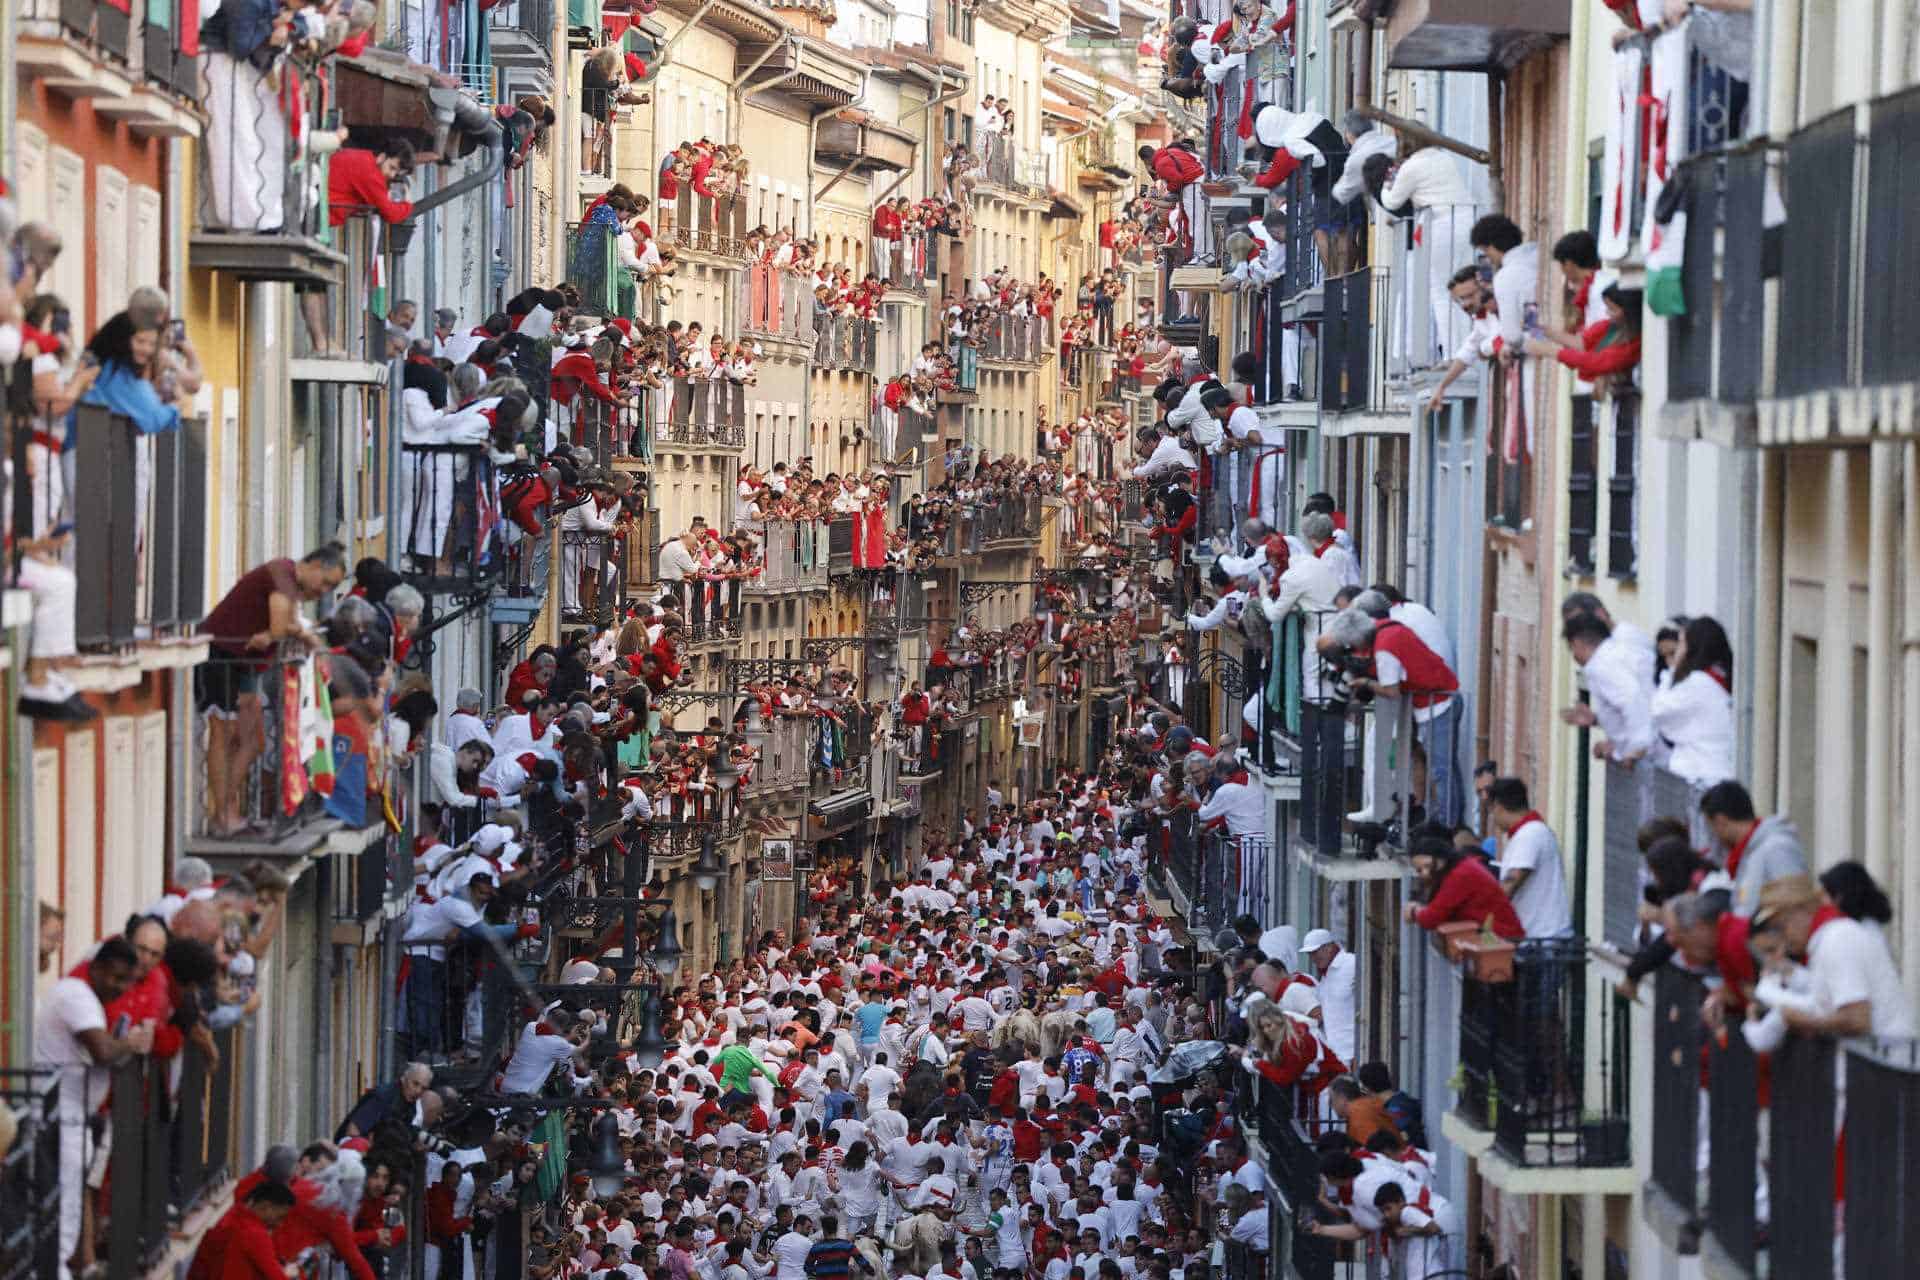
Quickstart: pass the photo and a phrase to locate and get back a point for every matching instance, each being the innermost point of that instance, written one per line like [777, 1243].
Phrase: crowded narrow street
[958, 640]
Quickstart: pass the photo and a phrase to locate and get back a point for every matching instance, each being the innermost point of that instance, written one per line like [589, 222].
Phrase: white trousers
[53, 588]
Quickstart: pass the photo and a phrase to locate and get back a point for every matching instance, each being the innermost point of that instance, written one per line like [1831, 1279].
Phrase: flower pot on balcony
[1487, 960]
[1452, 934]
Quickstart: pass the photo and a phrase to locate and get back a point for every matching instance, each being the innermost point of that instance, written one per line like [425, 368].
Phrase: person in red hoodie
[240, 1245]
[1460, 889]
[1609, 348]
[359, 180]
[1175, 165]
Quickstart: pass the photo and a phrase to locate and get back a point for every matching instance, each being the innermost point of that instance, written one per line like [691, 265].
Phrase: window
[1582, 489]
[1621, 487]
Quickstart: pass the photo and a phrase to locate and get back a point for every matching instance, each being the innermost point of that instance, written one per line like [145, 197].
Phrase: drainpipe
[1496, 143]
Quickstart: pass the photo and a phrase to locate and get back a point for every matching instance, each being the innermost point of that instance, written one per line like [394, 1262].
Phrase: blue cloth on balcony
[123, 391]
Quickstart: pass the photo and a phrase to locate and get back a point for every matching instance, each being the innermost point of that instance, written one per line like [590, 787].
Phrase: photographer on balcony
[1388, 660]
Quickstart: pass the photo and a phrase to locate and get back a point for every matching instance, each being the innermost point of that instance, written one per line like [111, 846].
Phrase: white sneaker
[1361, 815]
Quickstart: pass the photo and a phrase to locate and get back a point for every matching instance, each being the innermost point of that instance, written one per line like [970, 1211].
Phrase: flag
[1666, 255]
[348, 799]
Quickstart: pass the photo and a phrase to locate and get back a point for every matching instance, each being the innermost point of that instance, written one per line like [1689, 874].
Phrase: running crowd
[1006, 1064]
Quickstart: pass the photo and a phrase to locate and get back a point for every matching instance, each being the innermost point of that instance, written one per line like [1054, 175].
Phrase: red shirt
[1471, 893]
[1426, 671]
[244, 611]
[238, 1247]
[1177, 167]
[355, 183]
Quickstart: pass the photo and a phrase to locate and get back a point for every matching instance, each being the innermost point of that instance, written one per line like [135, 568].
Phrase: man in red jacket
[240, 1245]
[1175, 165]
[359, 180]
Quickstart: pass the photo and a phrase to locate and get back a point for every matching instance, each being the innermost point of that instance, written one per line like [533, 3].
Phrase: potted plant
[1488, 958]
[1451, 934]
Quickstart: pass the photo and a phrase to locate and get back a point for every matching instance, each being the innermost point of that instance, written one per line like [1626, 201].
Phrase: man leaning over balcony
[261, 611]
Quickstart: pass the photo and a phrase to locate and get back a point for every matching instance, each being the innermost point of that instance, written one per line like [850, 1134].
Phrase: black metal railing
[247, 786]
[704, 413]
[366, 881]
[1817, 331]
[794, 557]
[530, 18]
[1016, 339]
[1229, 879]
[455, 1001]
[1677, 1038]
[449, 517]
[1525, 1049]
[716, 224]
[1882, 1135]
[171, 1148]
[593, 266]
[138, 503]
[840, 545]
[1346, 342]
[30, 1178]
[1733, 1137]
[1800, 1230]
[592, 588]
[845, 341]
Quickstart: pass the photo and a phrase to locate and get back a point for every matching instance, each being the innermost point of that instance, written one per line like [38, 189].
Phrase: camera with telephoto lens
[1339, 668]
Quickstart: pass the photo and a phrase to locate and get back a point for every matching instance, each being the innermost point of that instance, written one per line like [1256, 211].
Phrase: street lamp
[707, 870]
[607, 1166]
[650, 1046]
[666, 953]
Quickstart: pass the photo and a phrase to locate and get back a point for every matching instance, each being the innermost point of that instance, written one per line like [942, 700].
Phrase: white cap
[1316, 939]
[580, 971]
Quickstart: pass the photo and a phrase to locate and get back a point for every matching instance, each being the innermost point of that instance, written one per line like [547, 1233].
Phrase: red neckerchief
[1739, 850]
[1321, 550]
[1531, 815]
[1718, 674]
[1824, 916]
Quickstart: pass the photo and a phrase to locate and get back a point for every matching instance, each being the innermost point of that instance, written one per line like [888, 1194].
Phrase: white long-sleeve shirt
[1308, 585]
[1166, 455]
[1352, 183]
[1226, 608]
[1242, 804]
[1695, 717]
[1426, 179]
[1516, 286]
[676, 562]
[1621, 686]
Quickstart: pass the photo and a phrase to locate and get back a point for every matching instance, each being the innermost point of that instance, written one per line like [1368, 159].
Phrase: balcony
[127, 64]
[1015, 340]
[858, 143]
[795, 555]
[703, 413]
[1545, 1074]
[784, 755]
[1424, 325]
[845, 342]
[593, 266]
[1212, 876]
[139, 534]
[907, 264]
[1354, 362]
[30, 1178]
[263, 211]
[1002, 165]
[1334, 739]
[1472, 35]
[966, 374]
[715, 226]
[592, 590]
[777, 304]
[1714, 350]
[1280, 1131]
[521, 590]
[253, 791]
[519, 33]
[1802, 1086]
[370, 886]
[450, 524]
[1011, 522]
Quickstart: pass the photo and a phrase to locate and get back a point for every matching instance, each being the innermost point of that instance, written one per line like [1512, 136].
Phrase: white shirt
[513, 736]
[1338, 1003]
[1695, 718]
[790, 1256]
[464, 727]
[1621, 684]
[1515, 286]
[1425, 624]
[676, 562]
[1541, 902]
[1425, 179]
[68, 1009]
[1227, 607]
[1166, 455]
[1242, 804]
[534, 1058]
[1850, 962]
